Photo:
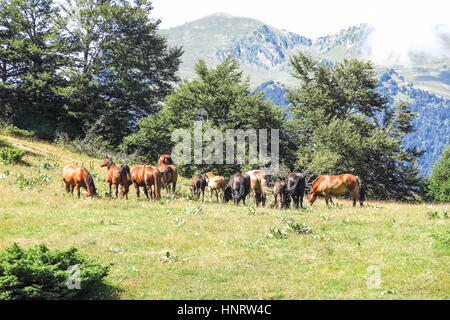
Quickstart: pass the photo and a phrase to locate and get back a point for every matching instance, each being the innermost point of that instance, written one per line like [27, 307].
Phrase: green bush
[4, 143]
[11, 155]
[40, 273]
[14, 131]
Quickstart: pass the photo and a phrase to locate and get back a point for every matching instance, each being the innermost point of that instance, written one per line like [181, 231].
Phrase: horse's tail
[362, 192]
[241, 194]
[290, 191]
[125, 172]
[90, 183]
[156, 178]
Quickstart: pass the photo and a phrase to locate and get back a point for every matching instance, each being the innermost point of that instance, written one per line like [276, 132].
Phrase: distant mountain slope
[432, 121]
[263, 52]
[261, 48]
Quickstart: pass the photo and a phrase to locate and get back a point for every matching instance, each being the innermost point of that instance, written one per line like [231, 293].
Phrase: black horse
[295, 189]
[238, 188]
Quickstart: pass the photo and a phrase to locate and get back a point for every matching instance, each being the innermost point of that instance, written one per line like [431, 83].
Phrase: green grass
[220, 251]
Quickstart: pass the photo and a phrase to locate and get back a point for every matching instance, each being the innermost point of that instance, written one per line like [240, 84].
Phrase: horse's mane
[90, 183]
[110, 163]
[166, 172]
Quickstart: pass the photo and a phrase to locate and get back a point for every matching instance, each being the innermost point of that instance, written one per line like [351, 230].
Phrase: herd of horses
[239, 186]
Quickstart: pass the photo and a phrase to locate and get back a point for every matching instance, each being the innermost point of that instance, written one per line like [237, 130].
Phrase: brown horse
[117, 176]
[279, 194]
[258, 185]
[165, 159]
[79, 177]
[215, 183]
[337, 185]
[147, 177]
[169, 175]
[198, 185]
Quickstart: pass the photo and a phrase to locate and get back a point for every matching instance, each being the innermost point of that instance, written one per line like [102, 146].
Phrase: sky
[400, 26]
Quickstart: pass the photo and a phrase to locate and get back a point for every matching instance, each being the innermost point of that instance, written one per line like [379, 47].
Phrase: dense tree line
[82, 67]
[99, 68]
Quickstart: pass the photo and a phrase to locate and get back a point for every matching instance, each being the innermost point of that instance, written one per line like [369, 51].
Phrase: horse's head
[105, 162]
[227, 195]
[311, 197]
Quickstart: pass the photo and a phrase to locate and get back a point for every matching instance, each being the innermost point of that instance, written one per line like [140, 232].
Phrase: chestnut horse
[165, 159]
[198, 185]
[337, 185]
[169, 175]
[215, 183]
[147, 177]
[258, 185]
[79, 177]
[117, 176]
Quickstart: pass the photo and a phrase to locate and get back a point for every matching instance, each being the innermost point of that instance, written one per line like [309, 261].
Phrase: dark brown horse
[165, 159]
[198, 185]
[279, 194]
[79, 177]
[169, 175]
[238, 188]
[337, 185]
[295, 189]
[147, 177]
[117, 176]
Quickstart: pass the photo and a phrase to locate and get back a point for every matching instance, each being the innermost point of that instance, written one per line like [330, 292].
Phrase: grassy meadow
[181, 248]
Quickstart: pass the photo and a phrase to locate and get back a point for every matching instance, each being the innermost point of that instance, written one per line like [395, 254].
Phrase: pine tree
[30, 58]
[338, 128]
[121, 68]
[438, 183]
[219, 97]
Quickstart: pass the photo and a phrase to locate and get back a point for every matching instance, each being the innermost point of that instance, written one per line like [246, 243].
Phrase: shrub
[23, 182]
[11, 155]
[41, 273]
[14, 131]
[4, 143]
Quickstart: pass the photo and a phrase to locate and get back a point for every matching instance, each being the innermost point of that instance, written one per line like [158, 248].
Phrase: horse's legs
[109, 184]
[116, 185]
[174, 184]
[137, 189]
[263, 198]
[217, 195]
[295, 201]
[149, 191]
[301, 200]
[146, 192]
[78, 191]
[331, 200]
[210, 194]
[72, 187]
[126, 191]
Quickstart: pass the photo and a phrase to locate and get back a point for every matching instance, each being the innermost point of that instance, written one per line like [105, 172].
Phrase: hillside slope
[181, 248]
